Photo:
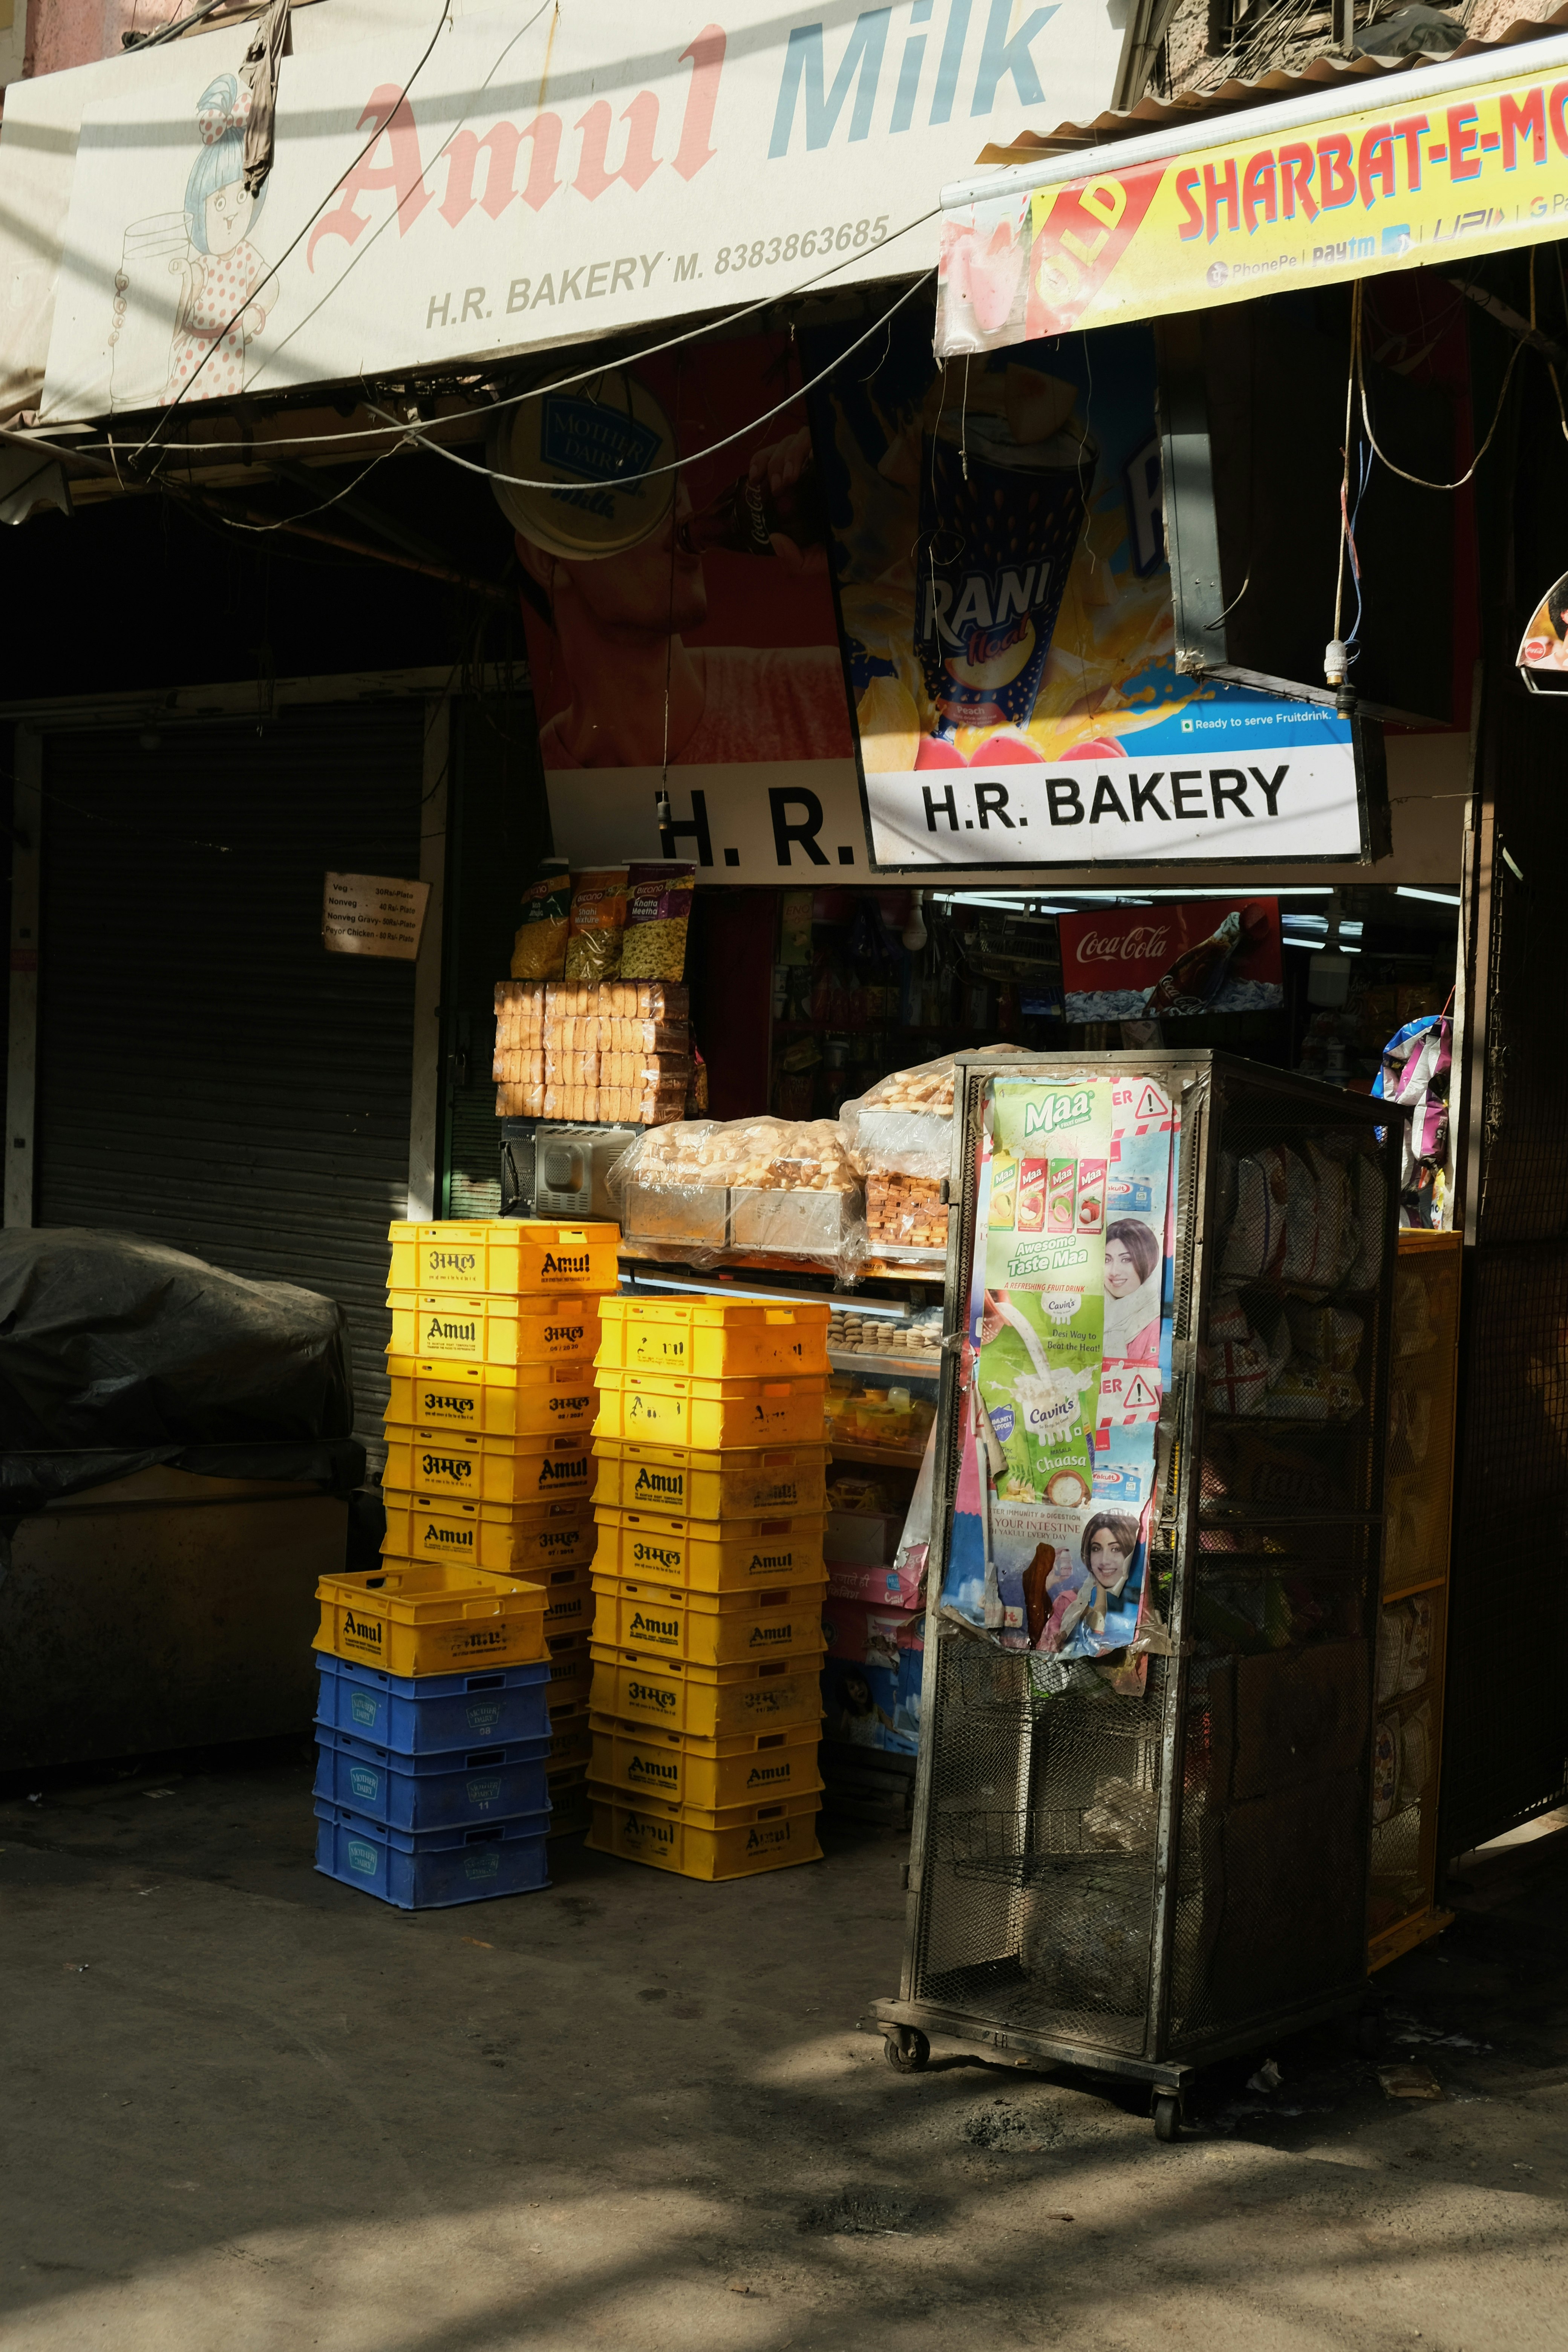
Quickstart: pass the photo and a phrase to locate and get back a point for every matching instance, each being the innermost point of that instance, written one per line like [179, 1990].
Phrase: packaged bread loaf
[797, 1155]
[904, 1125]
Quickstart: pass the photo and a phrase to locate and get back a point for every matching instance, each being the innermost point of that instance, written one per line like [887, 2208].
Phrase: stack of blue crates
[432, 1789]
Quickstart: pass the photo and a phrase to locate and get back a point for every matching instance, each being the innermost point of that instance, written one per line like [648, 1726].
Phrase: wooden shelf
[914, 1368]
[889, 1457]
[1428, 1584]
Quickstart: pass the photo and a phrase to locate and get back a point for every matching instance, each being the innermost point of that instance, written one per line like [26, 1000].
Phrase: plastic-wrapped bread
[519, 1102]
[904, 1125]
[518, 1066]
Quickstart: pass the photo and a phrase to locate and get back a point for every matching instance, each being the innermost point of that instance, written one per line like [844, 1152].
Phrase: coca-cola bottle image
[1196, 977]
[749, 515]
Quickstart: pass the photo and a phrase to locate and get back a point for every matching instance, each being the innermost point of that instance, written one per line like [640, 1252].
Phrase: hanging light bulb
[913, 934]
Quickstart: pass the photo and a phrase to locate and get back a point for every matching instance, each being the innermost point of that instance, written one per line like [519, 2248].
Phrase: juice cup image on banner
[1090, 1212]
[1003, 1192]
[1061, 1191]
[1000, 519]
[1031, 1196]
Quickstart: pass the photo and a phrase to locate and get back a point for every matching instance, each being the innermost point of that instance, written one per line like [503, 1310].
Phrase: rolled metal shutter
[208, 1075]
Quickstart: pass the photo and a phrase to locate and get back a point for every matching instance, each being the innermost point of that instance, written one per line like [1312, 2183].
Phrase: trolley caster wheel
[1167, 2116]
[907, 2052]
[1369, 2033]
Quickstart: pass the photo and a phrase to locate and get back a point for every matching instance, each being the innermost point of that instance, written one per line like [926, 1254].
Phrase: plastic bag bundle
[706, 1190]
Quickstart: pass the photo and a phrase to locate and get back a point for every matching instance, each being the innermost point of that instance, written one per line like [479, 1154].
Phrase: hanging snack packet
[539, 950]
[598, 919]
[657, 918]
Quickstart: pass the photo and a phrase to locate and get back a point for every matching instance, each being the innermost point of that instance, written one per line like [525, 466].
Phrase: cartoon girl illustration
[222, 268]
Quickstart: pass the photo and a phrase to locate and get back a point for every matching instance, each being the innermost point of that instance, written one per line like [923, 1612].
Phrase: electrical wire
[1419, 479]
[287, 522]
[624, 481]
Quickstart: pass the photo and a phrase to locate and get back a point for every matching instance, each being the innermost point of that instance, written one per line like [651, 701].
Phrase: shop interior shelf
[900, 1457]
[1423, 1584]
[914, 1368]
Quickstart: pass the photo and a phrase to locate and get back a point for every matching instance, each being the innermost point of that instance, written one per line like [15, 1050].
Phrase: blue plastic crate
[432, 1871]
[420, 1714]
[448, 1790]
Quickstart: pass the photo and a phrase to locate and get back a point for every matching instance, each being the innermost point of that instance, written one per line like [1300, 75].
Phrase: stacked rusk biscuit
[495, 1324]
[709, 1583]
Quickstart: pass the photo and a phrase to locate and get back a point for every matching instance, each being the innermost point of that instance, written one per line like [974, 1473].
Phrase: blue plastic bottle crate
[444, 1791]
[433, 1871]
[420, 1714]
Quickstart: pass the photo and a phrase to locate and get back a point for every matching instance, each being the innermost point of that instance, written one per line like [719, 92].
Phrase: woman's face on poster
[1107, 1563]
[1121, 1276]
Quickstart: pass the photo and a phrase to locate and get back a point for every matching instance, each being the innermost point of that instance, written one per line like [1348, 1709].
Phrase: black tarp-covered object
[116, 1353]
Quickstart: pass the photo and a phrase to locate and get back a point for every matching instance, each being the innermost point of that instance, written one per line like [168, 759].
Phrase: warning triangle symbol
[1140, 1396]
[1152, 1104]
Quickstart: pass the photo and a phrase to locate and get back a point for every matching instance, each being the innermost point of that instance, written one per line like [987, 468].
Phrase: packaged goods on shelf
[753, 1186]
[889, 1417]
[853, 1331]
[622, 1000]
[519, 1012]
[657, 916]
[605, 1053]
[539, 950]
[598, 918]
[900, 1135]
[871, 1678]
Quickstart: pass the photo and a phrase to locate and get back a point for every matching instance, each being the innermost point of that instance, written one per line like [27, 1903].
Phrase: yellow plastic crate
[569, 1598]
[696, 1845]
[568, 1808]
[510, 1470]
[715, 1338]
[678, 1409]
[491, 1536]
[493, 1400]
[766, 1694]
[746, 1767]
[708, 1629]
[712, 1555]
[570, 1669]
[427, 1328]
[707, 1483]
[408, 1618]
[508, 1254]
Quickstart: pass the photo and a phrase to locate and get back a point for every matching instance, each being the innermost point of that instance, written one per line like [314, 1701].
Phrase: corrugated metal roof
[1331, 71]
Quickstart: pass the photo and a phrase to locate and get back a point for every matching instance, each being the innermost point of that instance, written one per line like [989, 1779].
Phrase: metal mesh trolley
[1142, 1883]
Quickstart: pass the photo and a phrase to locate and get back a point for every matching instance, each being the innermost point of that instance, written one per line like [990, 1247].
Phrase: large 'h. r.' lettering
[393, 118]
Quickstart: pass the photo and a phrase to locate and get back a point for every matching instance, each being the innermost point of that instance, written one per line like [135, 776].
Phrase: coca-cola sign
[1198, 955]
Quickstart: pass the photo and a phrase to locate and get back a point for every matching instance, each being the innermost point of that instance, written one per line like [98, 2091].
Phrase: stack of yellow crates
[495, 1326]
[709, 1581]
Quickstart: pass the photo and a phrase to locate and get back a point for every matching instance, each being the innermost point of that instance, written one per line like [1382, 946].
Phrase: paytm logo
[931, 73]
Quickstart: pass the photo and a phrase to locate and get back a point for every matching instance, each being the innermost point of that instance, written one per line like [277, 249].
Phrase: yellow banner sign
[1387, 189]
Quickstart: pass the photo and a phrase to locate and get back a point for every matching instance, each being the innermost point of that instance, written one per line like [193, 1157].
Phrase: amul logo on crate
[572, 1472]
[773, 1700]
[454, 1404]
[776, 1564]
[368, 1631]
[451, 1265]
[668, 1484]
[451, 1335]
[656, 1555]
[456, 1467]
[652, 1695]
[564, 1335]
[560, 1543]
[472, 1640]
[654, 1772]
[771, 1637]
[768, 1841]
[561, 1266]
[656, 1628]
[440, 1536]
[636, 1831]
[769, 1776]
[1053, 1113]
